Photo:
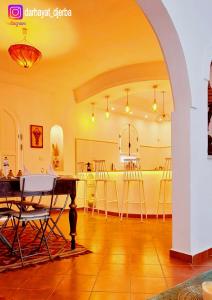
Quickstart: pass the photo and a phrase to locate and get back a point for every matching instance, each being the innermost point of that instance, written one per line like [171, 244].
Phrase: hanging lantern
[24, 55]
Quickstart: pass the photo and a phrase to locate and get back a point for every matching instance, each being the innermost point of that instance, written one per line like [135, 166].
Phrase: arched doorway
[9, 139]
[168, 38]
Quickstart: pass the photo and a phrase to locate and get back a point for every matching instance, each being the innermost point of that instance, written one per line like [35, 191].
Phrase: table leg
[73, 221]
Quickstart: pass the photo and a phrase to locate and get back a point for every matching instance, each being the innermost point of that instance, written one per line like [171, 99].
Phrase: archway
[168, 38]
[56, 141]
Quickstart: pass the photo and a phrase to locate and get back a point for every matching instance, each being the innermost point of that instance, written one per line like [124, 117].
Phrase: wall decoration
[36, 136]
[56, 138]
[209, 119]
[129, 141]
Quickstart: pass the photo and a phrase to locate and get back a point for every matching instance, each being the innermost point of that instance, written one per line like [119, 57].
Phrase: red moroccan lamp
[24, 54]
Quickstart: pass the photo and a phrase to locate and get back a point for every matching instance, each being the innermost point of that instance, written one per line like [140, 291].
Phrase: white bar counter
[151, 180]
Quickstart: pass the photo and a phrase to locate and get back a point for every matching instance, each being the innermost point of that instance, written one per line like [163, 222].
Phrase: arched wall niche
[57, 147]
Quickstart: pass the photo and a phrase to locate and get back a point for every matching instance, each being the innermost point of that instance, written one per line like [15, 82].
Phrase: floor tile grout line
[160, 264]
[54, 289]
[96, 277]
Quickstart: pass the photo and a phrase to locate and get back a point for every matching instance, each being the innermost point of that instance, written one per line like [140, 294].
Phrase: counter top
[121, 171]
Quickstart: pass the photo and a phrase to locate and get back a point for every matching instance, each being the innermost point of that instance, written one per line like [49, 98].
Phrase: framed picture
[209, 119]
[36, 136]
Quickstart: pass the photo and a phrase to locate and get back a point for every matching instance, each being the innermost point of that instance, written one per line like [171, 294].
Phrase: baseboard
[193, 259]
[111, 213]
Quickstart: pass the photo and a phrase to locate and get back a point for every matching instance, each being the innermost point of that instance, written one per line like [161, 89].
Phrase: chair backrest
[37, 183]
[100, 170]
[167, 170]
[132, 169]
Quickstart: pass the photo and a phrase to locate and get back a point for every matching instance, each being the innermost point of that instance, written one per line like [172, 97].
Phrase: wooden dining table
[65, 185]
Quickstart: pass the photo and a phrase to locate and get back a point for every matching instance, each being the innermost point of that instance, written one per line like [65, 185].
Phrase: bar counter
[151, 180]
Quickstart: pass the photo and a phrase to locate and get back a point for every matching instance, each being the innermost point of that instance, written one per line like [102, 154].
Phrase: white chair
[133, 179]
[165, 181]
[103, 180]
[38, 185]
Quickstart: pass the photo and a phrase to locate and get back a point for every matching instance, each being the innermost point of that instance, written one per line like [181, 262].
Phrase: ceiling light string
[164, 116]
[163, 93]
[107, 113]
[154, 105]
[93, 114]
[127, 107]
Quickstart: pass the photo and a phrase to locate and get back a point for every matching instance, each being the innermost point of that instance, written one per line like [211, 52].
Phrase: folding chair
[38, 185]
[56, 209]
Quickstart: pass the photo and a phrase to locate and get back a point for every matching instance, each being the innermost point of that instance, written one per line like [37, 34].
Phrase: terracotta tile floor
[130, 260]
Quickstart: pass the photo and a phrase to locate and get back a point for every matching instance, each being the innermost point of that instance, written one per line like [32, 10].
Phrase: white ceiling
[100, 36]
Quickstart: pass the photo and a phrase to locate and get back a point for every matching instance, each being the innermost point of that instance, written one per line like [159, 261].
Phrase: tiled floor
[130, 260]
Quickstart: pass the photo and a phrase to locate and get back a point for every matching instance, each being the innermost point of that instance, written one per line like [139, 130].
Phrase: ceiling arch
[119, 76]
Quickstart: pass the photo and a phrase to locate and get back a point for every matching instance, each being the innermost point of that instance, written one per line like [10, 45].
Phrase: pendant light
[92, 114]
[107, 113]
[127, 107]
[154, 105]
[163, 116]
[23, 54]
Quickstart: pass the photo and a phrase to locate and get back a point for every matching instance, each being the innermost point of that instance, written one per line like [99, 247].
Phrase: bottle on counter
[6, 166]
[113, 168]
[19, 174]
[88, 167]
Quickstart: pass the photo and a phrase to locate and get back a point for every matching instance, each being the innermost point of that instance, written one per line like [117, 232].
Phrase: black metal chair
[57, 210]
[37, 185]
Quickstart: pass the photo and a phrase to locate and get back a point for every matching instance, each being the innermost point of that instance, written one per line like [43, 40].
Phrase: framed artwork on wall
[36, 136]
[209, 119]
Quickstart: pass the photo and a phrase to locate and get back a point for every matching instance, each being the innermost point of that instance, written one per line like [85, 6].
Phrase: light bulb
[154, 106]
[146, 116]
[127, 108]
[93, 118]
[107, 114]
[112, 108]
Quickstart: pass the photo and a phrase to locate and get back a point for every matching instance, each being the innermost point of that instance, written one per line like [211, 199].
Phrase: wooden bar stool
[83, 182]
[133, 176]
[164, 182]
[102, 179]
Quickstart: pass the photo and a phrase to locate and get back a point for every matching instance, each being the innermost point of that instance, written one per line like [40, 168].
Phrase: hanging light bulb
[154, 105]
[163, 116]
[107, 113]
[92, 114]
[127, 107]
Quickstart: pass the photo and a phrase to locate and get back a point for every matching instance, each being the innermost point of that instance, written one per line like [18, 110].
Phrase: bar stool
[165, 180]
[133, 175]
[83, 182]
[103, 179]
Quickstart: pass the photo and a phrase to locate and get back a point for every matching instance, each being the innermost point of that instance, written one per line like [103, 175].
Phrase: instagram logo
[15, 12]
